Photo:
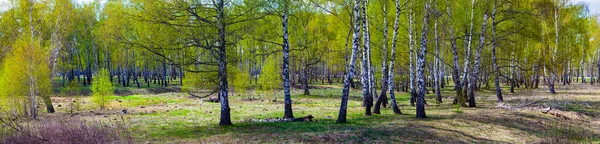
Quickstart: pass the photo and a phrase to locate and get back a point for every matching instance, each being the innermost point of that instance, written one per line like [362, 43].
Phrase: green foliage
[70, 89]
[24, 69]
[240, 80]
[102, 88]
[270, 77]
[193, 82]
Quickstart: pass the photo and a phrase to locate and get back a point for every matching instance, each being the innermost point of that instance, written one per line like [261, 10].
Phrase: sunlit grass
[174, 117]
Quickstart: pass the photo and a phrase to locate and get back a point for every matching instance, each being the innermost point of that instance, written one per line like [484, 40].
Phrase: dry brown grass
[65, 130]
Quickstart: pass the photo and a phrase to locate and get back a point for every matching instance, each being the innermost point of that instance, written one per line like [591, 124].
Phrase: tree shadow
[536, 124]
[359, 129]
[580, 106]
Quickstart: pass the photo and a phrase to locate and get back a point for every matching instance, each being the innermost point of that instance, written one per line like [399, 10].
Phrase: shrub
[102, 88]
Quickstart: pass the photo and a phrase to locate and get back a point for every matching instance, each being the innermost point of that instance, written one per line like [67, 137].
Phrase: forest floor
[174, 117]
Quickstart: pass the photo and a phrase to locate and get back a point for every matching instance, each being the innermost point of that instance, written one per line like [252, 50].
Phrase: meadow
[165, 115]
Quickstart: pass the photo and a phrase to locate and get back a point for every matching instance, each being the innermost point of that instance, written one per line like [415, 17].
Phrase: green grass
[176, 118]
[140, 100]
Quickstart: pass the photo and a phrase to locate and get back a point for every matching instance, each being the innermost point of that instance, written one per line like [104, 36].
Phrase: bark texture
[392, 59]
[350, 73]
[421, 64]
[286, 54]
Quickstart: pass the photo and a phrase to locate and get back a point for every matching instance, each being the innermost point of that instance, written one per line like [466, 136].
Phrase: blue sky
[594, 5]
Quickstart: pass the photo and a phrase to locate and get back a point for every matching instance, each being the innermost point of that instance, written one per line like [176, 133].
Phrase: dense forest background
[257, 48]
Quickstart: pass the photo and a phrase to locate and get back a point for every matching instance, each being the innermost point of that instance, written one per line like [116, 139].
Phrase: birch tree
[421, 64]
[455, 66]
[494, 59]
[350, 73]
[475, 73]
[366, 61]
[462, 98]
[286, 50]
[413, 93]
[392, 59]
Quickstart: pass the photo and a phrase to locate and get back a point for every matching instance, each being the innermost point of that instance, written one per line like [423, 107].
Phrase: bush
[102, 88]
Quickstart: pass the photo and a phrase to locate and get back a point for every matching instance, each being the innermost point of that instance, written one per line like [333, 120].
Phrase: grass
[173, 117]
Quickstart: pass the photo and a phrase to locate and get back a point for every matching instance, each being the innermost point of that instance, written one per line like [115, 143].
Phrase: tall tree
[421, 64]
[392, 59]
[366, 61]
[476, 66]
[494, 59]
[462, 99]
[455, 66]
[222, 51]
[436, 67]
[382, 99]
[413, 93]
[350, 72]
[286, 54]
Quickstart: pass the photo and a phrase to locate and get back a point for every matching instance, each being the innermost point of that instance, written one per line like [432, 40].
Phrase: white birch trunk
[350, 73]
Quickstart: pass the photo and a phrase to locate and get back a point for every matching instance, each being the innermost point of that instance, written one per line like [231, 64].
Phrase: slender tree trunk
[512, 72]
[286, 54]
[421, 64]
[475, 74]
[455, 67]
[392, 59]
[366, 69]
[494, 60]
[461, 100]
[305, 79]
[582, 64]
[552, 79]
[32, 81]
[384, 67]
[164, 73]
[413, 93]
[436, 67]
[223, 85]
[350, 71]
[598, 63]
[537, 75]
[565, 73]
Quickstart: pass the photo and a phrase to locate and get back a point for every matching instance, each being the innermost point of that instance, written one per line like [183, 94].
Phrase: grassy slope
[175, 118]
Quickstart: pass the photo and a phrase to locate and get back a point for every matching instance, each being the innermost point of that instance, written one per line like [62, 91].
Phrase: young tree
[270, 77]
[102, 88]
[25, 73]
